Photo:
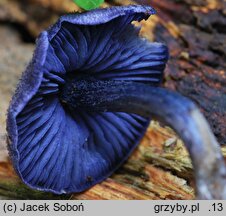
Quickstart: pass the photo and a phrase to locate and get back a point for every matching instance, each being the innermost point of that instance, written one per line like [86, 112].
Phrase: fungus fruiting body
[86, 99]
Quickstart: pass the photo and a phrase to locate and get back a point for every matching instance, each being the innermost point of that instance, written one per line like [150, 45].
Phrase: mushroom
[86, 99]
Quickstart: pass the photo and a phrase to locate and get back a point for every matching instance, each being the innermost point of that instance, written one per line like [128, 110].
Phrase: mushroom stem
[169, 107]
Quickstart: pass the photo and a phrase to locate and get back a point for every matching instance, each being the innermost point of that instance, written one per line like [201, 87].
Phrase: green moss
[14, 189]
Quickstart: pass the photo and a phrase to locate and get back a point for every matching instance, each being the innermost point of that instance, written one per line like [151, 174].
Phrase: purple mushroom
[86, 99]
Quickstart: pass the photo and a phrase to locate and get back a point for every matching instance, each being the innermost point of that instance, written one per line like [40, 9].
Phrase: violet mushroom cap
[59, 150]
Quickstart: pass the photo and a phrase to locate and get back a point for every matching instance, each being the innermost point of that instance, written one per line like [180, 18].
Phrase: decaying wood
[195, 34]
[152, 172]
[160, 168]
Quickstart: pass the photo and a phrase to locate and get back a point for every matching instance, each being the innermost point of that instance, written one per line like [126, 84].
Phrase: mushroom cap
[62, 151]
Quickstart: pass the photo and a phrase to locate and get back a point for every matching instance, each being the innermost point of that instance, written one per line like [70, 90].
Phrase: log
[195, 34]
[159, 168]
